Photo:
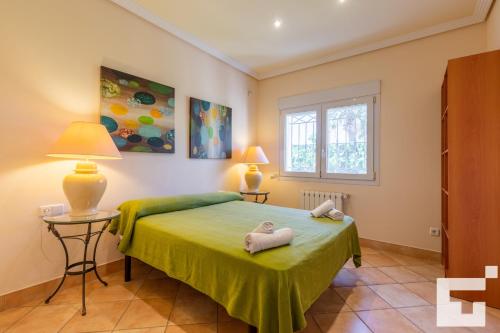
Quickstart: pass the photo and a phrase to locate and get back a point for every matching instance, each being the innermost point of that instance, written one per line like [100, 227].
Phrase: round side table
[86, 264]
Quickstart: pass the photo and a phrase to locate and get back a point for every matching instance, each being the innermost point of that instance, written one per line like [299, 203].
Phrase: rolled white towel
[266, 227]
[322, 209]
[255, 242]
[334, 214]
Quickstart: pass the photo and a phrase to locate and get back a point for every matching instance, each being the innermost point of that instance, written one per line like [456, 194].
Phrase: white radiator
[310, 199]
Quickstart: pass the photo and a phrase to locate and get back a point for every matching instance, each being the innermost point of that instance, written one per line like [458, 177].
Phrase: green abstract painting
[138, 113]
[210, 130]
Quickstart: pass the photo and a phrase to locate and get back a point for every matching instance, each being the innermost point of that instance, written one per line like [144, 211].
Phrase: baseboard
[402, 249]
[34, 294]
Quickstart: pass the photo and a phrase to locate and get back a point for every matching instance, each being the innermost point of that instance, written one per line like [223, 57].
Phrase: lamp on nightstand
[253, 177]
[85, 141]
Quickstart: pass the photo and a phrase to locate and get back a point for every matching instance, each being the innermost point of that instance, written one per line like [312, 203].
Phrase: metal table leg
[86, 243]
[58, 236]
[95, 251]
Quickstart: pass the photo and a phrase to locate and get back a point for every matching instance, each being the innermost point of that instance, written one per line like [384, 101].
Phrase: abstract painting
[210, 130]
[138, 113]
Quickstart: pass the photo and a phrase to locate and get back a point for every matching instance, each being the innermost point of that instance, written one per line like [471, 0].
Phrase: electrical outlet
[51, 210]
[435, 232]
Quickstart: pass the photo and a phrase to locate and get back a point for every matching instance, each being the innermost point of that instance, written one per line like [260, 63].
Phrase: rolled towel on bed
[255, 242]
[266, 227]
[334, 214]
[322, 209]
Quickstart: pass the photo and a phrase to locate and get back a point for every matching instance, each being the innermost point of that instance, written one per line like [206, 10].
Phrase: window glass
[300, 141]
[347, 139]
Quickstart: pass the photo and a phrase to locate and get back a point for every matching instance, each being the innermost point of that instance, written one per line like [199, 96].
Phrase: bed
[198, 239]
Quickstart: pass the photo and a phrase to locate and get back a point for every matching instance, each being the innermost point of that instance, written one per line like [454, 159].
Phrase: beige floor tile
[158, 288]
[72, 295]
[426, 290]
[186, 290]
[492, 318]
[36, 301]
[140, 271]
[347, 322]
[492, 323]
[368, 250]
[115, 292]
[160, 329]
[406, 260]
[379, 260]
[371, 275]
[99, 317]
[192, 307]
[430, 272]
[157, 274]
[387, 321]
[362, 298]
[114, 278]
[143, 313]
[424, 317]
[345, 278]
[329, 302]
[402, 274]
[234, 326]
[493, 311]
[193, 328]
[10, 316]
[350, 264]
[398, 296]
[43, 319]
[222, 315]
[312, 326]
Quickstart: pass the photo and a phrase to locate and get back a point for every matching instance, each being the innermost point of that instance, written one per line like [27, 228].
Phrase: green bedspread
[204, 247]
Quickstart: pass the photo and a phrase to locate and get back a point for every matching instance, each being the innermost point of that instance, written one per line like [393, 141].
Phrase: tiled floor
[390, 293]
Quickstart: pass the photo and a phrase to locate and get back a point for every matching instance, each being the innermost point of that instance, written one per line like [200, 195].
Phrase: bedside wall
[407, 203]
[50, 76]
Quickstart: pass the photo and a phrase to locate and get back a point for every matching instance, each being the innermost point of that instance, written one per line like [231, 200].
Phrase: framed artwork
[209, 130]
[138, 113]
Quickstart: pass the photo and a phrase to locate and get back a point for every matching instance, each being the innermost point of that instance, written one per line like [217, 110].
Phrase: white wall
[493, 28]
[407, 202]
[49, 67]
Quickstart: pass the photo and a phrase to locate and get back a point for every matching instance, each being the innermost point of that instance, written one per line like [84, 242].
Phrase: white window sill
[375, 182]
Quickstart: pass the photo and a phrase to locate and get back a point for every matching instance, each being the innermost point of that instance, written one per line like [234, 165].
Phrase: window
[335, 139]
[302, 140]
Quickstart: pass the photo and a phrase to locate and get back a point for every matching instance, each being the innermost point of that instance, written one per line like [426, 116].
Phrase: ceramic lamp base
[84, 189]
[253, 178]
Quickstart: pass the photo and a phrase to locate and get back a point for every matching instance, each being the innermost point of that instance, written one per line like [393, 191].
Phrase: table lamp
[253, 177]
[85, 141]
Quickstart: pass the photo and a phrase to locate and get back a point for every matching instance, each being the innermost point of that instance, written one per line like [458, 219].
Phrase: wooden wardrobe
[470, 171]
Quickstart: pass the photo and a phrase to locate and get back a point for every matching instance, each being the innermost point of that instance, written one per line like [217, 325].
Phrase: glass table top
[68, 219]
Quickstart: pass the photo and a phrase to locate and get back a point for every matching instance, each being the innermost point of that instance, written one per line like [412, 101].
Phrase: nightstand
[257, 195]
[86, 264]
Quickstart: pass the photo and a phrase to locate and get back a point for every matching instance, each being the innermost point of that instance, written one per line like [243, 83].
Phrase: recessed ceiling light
[341, 1]
[277, 23]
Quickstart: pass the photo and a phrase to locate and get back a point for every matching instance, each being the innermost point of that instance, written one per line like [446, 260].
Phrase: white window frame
[284, 113]
[370, 173]
[366, 93]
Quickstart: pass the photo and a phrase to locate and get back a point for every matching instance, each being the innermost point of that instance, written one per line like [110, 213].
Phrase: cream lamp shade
[84, 188]
[254, 155]
[83, 140]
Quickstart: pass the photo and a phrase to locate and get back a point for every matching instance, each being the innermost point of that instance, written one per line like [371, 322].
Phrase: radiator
[310, 199]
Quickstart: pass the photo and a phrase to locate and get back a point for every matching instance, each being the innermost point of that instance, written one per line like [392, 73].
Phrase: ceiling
[242, 33]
